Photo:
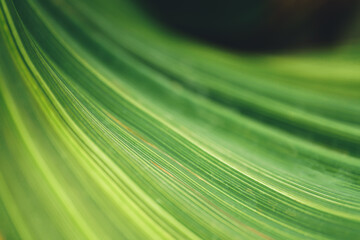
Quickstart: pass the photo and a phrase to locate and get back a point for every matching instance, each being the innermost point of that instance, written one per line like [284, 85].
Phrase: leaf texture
[113, 128]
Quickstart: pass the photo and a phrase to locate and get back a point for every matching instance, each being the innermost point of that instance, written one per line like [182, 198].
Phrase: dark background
[258, 25]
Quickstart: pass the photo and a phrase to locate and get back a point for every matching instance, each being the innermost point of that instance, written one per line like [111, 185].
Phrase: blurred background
[260, 25]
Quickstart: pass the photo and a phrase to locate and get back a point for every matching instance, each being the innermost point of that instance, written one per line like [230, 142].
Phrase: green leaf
[111, 127]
